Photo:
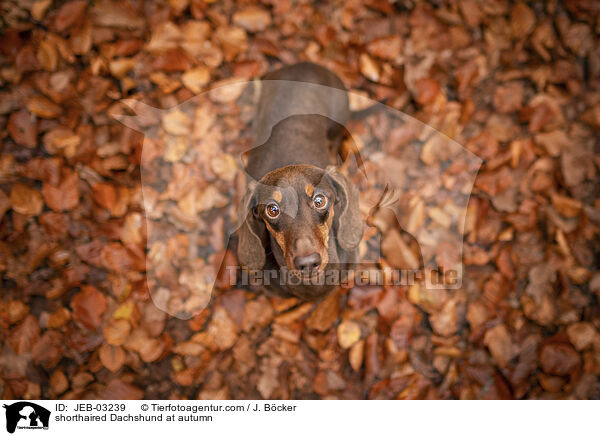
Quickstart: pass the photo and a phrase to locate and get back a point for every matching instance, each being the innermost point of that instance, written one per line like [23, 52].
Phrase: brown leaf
[348, 333]
[119, 258]
[189, 348]
[111, 357]
[23, 337]
[49, 350]
[471, 12]
[522, 20]
[508, 98]
[268, 381]
[387, 47]
[581, 335]
[397, 252]
[4, 204]
[22, 127]
[88, 306]
[447, 256]
[105, 195]
[177, 122]
[120, 67]
[117, 331]
[172, 61]
[117, 389]
[446, 321]
[325, 313]
[566, 206]
[252, 18]
[26, 200]
[427, 90]
[59, 382]
[39, 8]
[61, 140]
[58, 318]
[356, 355]
[559, 359]
[47, 55]
[113, 13]
[258, 313]
[149, 348]
[69, 14]
[554, 142]
[369, 68]
[227, 90]
[64, 196]
[222, 329]
[500, 343]
[196, 79]
[42, 107]
[16, 310]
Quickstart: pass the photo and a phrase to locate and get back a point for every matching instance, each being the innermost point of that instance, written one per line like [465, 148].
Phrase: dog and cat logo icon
[26, 415]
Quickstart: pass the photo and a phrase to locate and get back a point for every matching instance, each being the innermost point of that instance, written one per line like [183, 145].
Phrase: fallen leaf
[196, 79]
[69, 14]
[59, 382]
[64, 196]
[325, 313]
[111, 357]
[88, 306]
[26, 200]
[369, 68]
[252, 18]
[348, 333]
[500, 344]
[581, 335]
[22, 127]
[356, 355]
[23, 337]
[117, 389]
[387, 47]
[42, 107]
[522, 20]
[117, 331]
[222, 329]
[559, 359]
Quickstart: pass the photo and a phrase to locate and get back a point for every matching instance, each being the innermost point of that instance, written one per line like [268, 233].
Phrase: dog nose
[307, 263]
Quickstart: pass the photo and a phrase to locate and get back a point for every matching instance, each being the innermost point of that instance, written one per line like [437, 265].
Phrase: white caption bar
[299, 417]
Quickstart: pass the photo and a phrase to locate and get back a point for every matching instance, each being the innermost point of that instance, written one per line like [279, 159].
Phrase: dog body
[301, 222]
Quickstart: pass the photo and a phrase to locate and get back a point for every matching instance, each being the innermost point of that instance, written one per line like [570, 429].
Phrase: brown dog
[301, 221]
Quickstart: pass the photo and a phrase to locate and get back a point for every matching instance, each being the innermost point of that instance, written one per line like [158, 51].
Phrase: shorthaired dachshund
[301, 224]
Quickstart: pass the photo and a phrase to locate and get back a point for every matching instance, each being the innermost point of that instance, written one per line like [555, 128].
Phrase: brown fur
[292, 165]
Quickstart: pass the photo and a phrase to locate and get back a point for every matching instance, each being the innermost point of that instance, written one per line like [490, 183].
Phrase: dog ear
[347, 220]
[251, 234]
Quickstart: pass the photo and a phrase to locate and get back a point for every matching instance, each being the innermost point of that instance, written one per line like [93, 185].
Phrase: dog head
[304, 215]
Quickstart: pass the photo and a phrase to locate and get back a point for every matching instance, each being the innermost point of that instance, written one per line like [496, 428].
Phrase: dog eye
[320, 201]
[272, 210]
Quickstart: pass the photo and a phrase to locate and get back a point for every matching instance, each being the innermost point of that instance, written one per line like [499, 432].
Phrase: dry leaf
[88, 306]
[64, 196]
[117, 331]
[42, 107]
[348, 333]
[500, 343]
[22, 127]
[69, 14]
[369, 68]
[111, 357]
[26, 200]
[252, 18]
[196, 79]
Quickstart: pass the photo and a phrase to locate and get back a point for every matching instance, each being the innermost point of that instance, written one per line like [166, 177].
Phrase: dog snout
[308, 263]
